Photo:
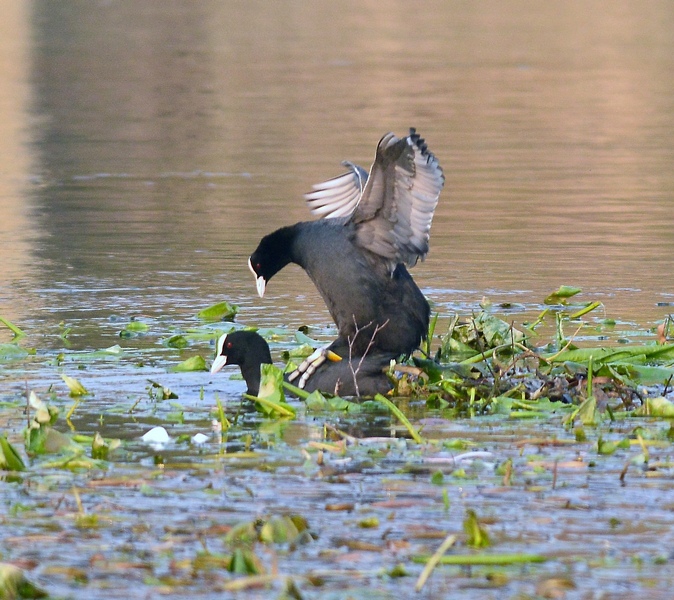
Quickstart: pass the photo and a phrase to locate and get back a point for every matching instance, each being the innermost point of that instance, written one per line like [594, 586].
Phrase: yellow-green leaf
[222, 311]
[194, 363]
[10, 460]
[562, 294]
[76, 388]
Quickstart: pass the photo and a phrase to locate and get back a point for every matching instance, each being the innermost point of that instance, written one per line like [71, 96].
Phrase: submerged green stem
[401, 417]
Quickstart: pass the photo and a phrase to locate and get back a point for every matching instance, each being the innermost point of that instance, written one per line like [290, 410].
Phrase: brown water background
[146, 147]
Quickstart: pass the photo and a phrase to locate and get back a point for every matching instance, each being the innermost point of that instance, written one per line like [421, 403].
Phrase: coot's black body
[356, 285]
[249, 350]
[356, 256]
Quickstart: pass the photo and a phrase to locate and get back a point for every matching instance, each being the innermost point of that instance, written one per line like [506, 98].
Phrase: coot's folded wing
[396, 209]
[339, 196]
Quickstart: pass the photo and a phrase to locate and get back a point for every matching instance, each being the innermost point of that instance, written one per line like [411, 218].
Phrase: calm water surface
[147, 147]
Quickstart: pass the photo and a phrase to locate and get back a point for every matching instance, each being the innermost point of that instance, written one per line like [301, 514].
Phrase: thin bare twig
[352, 341]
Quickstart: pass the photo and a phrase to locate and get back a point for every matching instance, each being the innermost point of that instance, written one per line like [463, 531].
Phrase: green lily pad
[177, 341]
[222, 311]
[194, 363]
[562, 295]
[13, 352]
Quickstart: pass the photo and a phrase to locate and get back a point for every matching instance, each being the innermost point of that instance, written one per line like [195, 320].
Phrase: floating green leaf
[75, 387]
[245, 562]
[47, 440]
[623, 354]
[586, 412]
[160, 392]
[606, 447]
[222, 311]
[177, 341]
[656, 407]
[496, 331]
[438, 478]
[279, 529]
[10, 460]
[562, 295]
[270, 399]
[13, 352]
[194, 363]
[316, 401]
[477, 535]
[133, 328]
[297, 352]
[305, 340]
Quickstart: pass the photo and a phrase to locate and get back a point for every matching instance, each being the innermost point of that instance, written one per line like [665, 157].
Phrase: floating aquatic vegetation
[14, 584]
[222, 311]
[271, 399]
[74, 385]
[10, 460]
[13, 328]
[177, 341]
[562, 295]
[134, 328]
[157, 391]
[194, 363]
[10, 352]
[547, 411]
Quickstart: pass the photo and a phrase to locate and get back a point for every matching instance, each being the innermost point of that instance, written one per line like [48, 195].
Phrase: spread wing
[393, 206]
[339, 196]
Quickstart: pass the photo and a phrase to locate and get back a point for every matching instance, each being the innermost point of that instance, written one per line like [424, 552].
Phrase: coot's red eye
[258, 266]
[229, 344]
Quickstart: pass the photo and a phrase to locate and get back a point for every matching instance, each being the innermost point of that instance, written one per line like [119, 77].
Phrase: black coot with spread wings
[375, 225]
[249, 350]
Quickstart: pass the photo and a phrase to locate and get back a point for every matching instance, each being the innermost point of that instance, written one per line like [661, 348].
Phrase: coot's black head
[272, 254]
[244, 348]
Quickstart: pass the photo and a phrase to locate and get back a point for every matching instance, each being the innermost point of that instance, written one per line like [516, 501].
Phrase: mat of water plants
[520, 455]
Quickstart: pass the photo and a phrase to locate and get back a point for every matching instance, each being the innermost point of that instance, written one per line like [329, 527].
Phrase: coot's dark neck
[278, 249]
[250, 366]
[251, 375]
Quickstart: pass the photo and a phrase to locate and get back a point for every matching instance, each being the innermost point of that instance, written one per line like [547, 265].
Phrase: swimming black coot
[249, 350]
[374, 225]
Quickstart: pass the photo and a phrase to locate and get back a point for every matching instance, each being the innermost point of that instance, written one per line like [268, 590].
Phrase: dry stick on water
[433, 561]
[352, 341]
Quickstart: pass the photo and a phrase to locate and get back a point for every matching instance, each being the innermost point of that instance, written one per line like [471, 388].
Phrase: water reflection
[15, 162]
[169, 137]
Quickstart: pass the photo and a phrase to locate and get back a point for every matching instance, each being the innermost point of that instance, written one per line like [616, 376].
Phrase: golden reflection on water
[170, 136]
[15, 226]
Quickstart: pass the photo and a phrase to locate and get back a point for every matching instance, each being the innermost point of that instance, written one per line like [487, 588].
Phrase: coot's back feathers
[358, 289]
[393, 206]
